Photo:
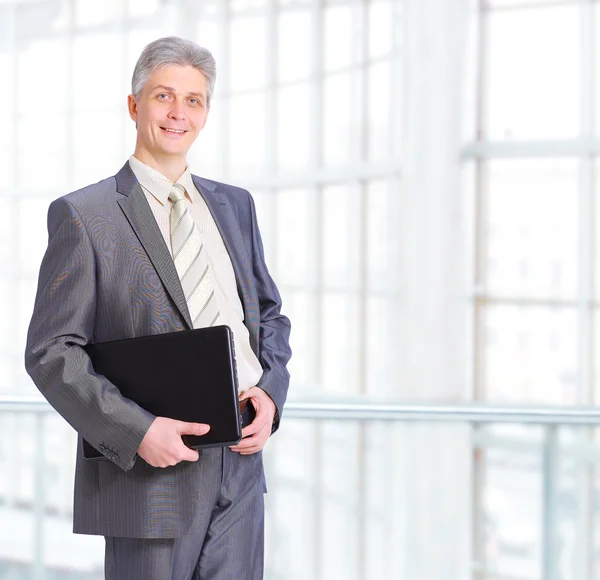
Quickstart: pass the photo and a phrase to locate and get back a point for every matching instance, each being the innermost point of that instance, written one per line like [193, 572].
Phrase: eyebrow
[171, 89]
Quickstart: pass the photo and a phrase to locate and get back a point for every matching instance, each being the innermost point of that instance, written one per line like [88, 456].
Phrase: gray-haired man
[116, 268]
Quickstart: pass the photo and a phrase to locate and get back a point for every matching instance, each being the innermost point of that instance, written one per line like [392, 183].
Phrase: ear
[132, 107]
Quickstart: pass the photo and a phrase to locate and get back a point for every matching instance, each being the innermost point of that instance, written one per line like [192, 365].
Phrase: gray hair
[172, 50]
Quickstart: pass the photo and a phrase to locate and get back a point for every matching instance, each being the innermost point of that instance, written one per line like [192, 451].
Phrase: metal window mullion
[340, 173]
[396, 114]
[125, 29]
[12, 270]
[360, 111]
[70, 104]
[482, 201]
[69, 126]
[271, 108]
[551, 148]
[271, 116]
[316, 162]
[187, 19]
[549, 523]
[586, 216]
[480, 287]
[585, 484]
[271, 94]
[488, 299]
[532, 4]
[224, 19]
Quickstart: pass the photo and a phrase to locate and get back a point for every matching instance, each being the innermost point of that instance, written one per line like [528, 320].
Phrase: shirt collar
[157, 184]
[187, 182]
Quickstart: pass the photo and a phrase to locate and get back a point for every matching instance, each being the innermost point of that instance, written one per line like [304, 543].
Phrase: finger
[189, 454]
[249, 443]
[245, 440]
[249, 450]
[257, 426]
[251, 429]
[241, 444]
[262, 411]
[193, 428]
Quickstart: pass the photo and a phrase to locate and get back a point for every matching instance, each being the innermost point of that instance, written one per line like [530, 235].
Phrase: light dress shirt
[156, 188]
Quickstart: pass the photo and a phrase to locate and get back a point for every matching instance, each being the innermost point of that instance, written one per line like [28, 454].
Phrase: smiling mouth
[173, 131]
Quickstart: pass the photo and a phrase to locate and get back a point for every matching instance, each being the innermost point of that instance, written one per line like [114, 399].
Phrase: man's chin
[179, 151]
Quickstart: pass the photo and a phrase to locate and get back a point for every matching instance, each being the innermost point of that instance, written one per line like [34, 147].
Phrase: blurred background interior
[460, 140]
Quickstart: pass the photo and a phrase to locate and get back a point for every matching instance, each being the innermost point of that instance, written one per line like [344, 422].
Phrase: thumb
[190, 454]
[247, 394]
[193, 428]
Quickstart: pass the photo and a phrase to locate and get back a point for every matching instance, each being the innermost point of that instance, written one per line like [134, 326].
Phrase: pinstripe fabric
[106, 275]
[226, 539]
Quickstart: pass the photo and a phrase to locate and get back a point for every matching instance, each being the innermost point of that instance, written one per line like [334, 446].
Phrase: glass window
[296, 253]
[248, 53]
[90, 13]
[533, 86]
[303, 145]
[379, 95]
[530, 354]
[341, 236]
[340, 127]
[295, 110]
[381, 28]
[92, 90]
[532, 228]
[248, 133]
[42, 85]
[341, 342]
[295, 40]
[339, 42]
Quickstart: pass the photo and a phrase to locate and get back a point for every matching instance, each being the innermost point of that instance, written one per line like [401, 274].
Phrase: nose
[177, 111]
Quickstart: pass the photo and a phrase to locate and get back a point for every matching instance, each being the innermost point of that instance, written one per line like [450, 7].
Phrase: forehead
[184, 79]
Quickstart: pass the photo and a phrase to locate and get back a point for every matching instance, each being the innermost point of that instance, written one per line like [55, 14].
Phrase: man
[152, 250]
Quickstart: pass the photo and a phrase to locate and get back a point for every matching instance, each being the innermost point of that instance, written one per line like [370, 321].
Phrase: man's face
[170, 111]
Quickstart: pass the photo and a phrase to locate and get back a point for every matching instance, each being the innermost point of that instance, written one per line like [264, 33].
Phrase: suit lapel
[137, 211]
[229, 229]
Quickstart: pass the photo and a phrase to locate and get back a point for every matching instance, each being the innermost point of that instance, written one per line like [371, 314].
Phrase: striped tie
[191, 262]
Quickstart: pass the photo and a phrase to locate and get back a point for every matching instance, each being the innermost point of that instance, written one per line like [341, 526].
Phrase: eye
[194, 101]
[162, 96]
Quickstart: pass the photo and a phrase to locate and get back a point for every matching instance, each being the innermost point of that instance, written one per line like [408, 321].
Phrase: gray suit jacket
[107, 274]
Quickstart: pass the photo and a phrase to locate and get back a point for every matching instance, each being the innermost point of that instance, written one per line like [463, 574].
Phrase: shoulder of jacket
[221, 187]
[89, 193]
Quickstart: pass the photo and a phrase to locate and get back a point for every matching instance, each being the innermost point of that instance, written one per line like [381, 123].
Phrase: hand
[162, 445]
[255, 435]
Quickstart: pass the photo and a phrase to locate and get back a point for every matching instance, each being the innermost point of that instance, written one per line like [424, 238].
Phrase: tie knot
[177, 192]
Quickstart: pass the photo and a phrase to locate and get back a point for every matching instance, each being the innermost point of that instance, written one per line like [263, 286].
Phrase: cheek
[151, 116]
[199, 123]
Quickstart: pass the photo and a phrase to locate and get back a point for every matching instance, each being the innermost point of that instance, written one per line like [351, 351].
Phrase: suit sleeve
[62, 322]
[274, 330]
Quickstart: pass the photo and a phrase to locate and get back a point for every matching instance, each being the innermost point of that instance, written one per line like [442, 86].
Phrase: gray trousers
[226, 540]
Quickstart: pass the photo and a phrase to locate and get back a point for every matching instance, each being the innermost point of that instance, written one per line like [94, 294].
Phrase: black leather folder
[188, 375]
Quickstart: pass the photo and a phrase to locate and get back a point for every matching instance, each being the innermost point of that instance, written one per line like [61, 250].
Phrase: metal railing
[369, 411]
[550, 418]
